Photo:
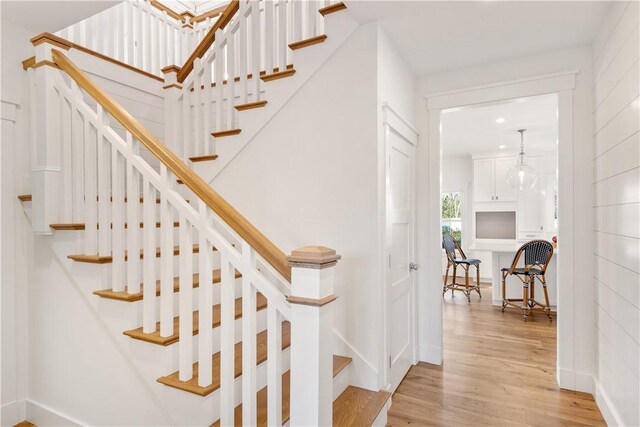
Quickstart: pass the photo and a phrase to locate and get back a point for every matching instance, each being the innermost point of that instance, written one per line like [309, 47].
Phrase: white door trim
[392, 121]
[564, 85]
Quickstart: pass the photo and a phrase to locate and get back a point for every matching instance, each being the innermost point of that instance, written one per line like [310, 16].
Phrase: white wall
[616, 189]
[15, 241]
[577, 366]
[309, 178]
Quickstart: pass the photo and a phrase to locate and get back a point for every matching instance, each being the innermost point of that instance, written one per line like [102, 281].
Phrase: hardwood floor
[497, 370]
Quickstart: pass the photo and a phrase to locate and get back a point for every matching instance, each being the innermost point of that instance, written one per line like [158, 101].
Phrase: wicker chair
[537, 254]
[450, 246]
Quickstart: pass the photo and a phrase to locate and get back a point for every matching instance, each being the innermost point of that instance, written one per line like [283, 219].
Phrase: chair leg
[525, 299]
[547, 307]
[532, 291]
[504, 291]
[453, 279]
[446, 278]
[478, 280]
[467, 292]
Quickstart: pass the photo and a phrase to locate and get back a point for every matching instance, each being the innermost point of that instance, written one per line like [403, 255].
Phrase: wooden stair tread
[261, 355]
[81, 225]
[25, 197]
[29, 197]
[124, 296]
[339, 363]
[278, 75]
[98, 259]
[155, 338]
[332, 9]
[25, 424]
[204, 158]
[358, 407]
[223, 133]
[307, 42]
[250, 105]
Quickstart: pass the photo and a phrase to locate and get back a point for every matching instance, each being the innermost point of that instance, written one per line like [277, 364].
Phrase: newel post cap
[317, 257]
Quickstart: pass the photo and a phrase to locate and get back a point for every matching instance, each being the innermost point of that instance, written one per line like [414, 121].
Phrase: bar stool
[537, 254]
[450, 246]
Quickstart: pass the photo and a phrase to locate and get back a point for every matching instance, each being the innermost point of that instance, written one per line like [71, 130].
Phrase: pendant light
[522, 176]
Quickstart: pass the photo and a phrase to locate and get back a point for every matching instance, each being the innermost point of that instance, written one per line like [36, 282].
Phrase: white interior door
[400, 252]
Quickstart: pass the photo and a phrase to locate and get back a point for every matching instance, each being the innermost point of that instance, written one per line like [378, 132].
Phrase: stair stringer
[338, 27]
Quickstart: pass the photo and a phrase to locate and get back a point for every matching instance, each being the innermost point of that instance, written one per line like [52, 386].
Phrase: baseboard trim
[13, 412]
[363, 374]
[607, 409]
[43, 415]
[430, 354]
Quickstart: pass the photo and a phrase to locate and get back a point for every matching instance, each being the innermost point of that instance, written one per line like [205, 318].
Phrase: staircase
[218, 321]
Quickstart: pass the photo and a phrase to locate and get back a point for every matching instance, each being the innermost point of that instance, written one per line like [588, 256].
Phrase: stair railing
[229, 67]
[140, 33]
[85, 171]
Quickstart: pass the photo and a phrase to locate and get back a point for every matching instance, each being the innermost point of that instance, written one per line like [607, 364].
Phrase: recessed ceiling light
[502, 147]
[500, 120]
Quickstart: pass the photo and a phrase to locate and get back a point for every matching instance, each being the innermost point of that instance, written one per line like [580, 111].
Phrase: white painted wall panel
[616, 225]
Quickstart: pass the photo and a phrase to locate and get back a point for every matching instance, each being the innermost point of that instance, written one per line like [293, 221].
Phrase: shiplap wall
[616, 117]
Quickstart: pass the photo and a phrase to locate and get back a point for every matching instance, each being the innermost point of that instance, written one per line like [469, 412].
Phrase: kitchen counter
[502, 255]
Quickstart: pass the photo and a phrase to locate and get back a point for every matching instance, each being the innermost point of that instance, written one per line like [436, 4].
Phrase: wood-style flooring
[497, 370]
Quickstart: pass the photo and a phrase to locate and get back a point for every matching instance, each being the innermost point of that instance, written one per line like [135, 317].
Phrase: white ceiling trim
[501, 91]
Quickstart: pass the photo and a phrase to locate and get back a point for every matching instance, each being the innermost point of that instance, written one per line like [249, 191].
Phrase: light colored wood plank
[192, 386]
[307, 42]
[497, 370]
[25, 197]
[339, 363]
[251, 105]
[206, 158]
[278, 75]
[223, 133]
[155, 338]
[98, 259]
[358, 407]
[81, 226]
[336, 7]
[124, 296]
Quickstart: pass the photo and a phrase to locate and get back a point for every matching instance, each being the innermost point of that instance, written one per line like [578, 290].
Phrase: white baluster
[297, 20]
[312, 15]
[231, 72]
[78, 139]
[162, 49]
[268, 35]
[283, 47]
[255, 50]
[106, 33]
[91, 187]
[186, 137]
[244, 52]
[147, 43]
[205, 303]
[133, 219]
[104, 196]
[83, 39]
[149, 260]
[197, 110]
[138, 48]
[249, 380]
[219, 90]
[227, 341]
[130, 42]
[166, 255]
[185, 346]
[206, 137]
[117, 219]
[67, 170]
[274, 367]
[120, 34]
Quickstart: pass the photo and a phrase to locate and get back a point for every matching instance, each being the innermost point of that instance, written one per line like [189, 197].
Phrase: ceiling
[474, 129]
[51, 16]
[195, 6]
[437, 36]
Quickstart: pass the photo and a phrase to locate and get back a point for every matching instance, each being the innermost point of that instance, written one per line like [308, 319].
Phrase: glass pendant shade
[522, 176]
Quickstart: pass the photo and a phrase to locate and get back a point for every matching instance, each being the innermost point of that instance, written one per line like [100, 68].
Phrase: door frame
[563, 84]
[392, 121]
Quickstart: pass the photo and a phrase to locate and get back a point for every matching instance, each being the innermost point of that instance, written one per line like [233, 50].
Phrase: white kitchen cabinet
[490, 180]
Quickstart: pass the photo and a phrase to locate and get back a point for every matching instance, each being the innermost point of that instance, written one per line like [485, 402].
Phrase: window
[451, 218]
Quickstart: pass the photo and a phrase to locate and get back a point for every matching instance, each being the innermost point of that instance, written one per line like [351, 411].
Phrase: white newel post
[172, 113]
[46, 164]
[312, 269]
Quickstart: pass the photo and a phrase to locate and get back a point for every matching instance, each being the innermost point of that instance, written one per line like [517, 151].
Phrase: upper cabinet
[490, 180]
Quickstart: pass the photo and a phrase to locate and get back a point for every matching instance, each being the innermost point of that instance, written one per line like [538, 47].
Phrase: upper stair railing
[86, 172]
[248, 45]
[142, 33]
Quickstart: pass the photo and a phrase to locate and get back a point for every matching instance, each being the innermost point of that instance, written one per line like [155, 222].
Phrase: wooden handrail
[209, 14]
[172, 13]
[220, 206]
[204, 45]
